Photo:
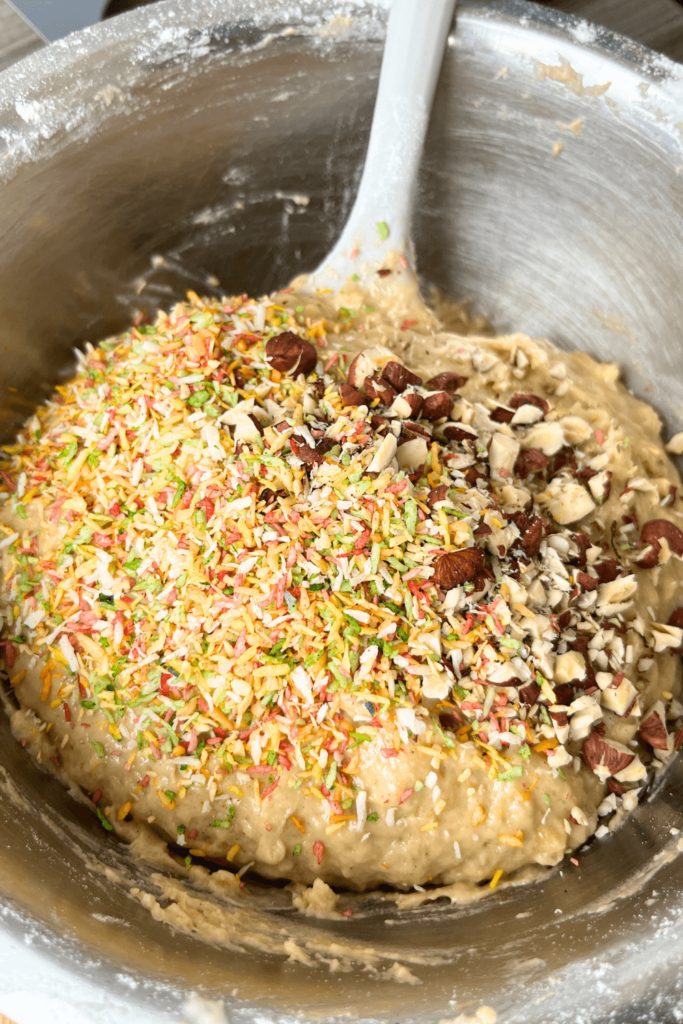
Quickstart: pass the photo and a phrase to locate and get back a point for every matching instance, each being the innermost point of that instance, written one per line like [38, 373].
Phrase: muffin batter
[317, 588]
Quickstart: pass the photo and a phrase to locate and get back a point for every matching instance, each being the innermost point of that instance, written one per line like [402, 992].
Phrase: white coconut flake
[32, 620]
[361, 806]
[301, 679]
[68, 652]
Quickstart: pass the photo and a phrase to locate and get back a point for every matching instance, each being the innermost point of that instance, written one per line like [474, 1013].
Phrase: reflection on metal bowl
[191, 130]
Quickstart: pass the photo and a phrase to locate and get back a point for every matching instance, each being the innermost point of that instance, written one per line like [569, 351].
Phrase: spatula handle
[380, 218]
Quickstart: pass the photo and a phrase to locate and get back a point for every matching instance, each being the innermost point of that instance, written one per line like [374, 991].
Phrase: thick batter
[321, 589]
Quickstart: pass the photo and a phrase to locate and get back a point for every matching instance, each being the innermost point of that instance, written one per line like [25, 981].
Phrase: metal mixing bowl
[229, 137]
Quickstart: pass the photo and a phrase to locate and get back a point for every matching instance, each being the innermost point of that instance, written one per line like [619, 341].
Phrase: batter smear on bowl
[318, 587]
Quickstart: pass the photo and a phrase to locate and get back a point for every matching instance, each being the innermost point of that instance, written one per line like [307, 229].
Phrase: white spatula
[380, 219]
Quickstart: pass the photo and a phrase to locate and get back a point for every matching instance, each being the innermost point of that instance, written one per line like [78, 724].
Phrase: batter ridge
[317, 587]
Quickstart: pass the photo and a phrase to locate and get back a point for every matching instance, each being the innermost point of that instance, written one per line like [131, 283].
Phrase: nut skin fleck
[530, 460]
[653, 731]
[399, 376]
[587, 582]
[410, 429]
[256, 423]
[676, 619]
[531, 533]
[530, 693]
[415, 402]
[438, 405]
[352, 375]
[376, 387]
[650, 535]
[305, 452]
[437, 494]
[449, 382]
[351, 395]
[455, 432]
[268, 495]
[454, 568]
[598, 751]
[564, 693]
[289, 353]
[607, 570]
[518, 400]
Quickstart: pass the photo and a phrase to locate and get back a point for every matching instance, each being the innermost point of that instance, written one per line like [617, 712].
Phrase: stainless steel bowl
[229, 137]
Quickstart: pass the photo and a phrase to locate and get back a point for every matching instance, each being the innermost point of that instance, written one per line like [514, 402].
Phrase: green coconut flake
[411, 516]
